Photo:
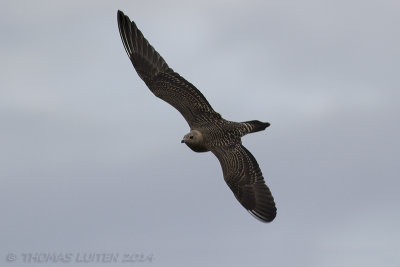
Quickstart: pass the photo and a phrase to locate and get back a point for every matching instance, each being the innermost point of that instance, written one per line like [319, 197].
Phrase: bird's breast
[197, 147]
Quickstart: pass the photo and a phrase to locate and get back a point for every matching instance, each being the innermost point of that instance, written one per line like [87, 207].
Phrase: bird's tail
[254, 126]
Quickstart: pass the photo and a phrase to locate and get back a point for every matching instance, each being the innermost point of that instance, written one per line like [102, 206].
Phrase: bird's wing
[244, 178]
[161, 79]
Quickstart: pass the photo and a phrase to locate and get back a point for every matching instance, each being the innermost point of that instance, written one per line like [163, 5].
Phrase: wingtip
[263, 218]
[121, 15]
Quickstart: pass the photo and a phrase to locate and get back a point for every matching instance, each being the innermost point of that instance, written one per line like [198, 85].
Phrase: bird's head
[194, 140]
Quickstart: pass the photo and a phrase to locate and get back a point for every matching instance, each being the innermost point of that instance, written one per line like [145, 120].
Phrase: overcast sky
[91, 161]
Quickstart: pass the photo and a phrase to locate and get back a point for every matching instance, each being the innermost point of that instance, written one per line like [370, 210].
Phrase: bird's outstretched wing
[161, 79]
[244, 178]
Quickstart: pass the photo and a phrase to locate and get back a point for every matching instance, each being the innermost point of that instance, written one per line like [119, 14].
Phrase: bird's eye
[191, 137]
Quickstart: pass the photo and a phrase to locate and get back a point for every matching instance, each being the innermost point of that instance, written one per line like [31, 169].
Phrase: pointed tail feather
[254, 126]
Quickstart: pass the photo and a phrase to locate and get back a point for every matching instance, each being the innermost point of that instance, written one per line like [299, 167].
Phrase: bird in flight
[208, 130]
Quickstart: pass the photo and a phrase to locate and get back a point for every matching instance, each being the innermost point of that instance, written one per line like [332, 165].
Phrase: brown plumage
[209, 131]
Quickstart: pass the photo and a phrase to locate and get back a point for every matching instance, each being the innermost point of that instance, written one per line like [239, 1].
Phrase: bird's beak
[183, 141]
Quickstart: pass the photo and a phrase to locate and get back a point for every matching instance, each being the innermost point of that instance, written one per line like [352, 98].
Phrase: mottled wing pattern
[161, 79]
[244, 178]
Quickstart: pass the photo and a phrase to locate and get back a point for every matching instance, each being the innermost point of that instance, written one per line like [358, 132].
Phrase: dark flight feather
[243, 176]
[161, 79]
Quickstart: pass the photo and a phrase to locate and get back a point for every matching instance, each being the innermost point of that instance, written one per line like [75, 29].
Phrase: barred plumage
[209, 131]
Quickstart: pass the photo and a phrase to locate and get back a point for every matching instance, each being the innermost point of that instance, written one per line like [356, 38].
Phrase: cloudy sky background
[91, 161]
